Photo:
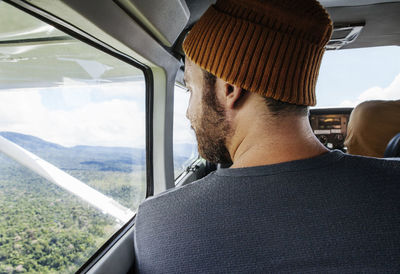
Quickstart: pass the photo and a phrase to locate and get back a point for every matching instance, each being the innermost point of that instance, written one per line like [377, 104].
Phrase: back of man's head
[270, 47]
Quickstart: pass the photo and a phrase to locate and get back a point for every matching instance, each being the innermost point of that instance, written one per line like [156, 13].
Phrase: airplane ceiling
[380, 18]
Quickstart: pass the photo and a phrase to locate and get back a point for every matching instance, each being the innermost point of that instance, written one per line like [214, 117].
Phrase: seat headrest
[393, 147]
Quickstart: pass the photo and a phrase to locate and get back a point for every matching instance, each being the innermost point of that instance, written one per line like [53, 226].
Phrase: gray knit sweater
[334, 213]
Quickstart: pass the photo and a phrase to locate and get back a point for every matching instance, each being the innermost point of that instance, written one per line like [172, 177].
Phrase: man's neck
[257, 144]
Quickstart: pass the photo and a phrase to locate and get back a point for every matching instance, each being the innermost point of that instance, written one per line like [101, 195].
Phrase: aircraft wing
[55, 175]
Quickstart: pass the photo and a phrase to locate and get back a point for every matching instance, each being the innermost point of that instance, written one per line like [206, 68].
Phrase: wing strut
[57, 176]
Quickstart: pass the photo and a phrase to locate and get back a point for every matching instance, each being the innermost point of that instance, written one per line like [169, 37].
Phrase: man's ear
[232, 95]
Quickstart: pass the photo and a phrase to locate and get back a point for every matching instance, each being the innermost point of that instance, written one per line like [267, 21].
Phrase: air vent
[343, 35]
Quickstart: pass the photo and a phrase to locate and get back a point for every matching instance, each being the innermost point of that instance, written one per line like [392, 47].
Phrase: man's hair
[209, 96]
[276, 108]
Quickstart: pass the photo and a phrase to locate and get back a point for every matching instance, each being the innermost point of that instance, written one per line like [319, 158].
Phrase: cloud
[392, 92]
[90, 120]
[81, 114]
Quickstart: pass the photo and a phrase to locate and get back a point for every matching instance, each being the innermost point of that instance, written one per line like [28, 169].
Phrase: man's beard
[213, 130]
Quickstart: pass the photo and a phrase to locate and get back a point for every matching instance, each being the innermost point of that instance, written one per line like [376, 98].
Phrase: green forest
[43, 228]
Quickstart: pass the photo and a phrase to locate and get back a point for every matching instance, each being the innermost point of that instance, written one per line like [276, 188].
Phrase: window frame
[149, 99]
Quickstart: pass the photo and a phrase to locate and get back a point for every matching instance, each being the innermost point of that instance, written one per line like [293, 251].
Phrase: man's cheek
[192, 110]
[189, 112]
[193, 116]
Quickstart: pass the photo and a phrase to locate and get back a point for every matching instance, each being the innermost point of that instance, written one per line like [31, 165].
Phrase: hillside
[95, 158]
[81, 157]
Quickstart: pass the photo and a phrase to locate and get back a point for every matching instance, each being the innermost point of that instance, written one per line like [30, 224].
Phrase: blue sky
[346, 74]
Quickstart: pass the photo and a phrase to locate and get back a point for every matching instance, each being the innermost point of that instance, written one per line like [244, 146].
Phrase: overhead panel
[165, 20]
[380, 23]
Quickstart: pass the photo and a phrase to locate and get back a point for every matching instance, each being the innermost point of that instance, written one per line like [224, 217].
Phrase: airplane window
[72, 146]
[184, 141]
[351, 76]
[347, 78]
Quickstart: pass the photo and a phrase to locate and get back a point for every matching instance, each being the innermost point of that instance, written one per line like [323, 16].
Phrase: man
[286, 204]
[372, 125]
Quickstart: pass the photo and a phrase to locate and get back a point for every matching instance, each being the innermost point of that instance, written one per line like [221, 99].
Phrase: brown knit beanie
[270, 47]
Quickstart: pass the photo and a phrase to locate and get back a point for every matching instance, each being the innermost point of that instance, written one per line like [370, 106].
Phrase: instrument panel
[330, 126]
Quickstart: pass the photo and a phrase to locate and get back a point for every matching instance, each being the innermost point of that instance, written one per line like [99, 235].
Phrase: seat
[393, 147]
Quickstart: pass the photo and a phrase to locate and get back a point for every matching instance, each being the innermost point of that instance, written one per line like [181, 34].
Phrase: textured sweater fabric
[334, 213]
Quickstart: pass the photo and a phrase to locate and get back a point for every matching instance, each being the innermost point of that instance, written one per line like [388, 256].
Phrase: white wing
[55, 175]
